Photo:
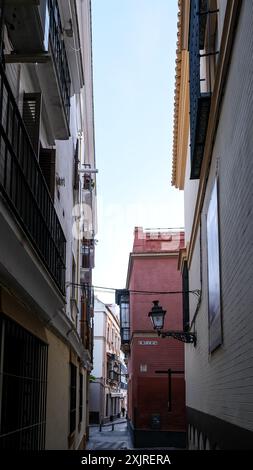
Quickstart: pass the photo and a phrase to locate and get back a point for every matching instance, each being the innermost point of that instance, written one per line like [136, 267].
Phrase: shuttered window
[47, 165]
[31, 117]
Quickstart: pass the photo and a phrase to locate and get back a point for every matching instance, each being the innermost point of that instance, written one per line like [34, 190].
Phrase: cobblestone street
[119, 438]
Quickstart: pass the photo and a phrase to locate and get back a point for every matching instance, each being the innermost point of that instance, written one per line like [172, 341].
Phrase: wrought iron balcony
[122, 299]
[59, 51]
[125, 335]
[36, 34]
[24, 188]
[199, 102]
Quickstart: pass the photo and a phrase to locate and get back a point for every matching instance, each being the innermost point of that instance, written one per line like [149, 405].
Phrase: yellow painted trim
[181, 259]
[181, 97]
[183, 122]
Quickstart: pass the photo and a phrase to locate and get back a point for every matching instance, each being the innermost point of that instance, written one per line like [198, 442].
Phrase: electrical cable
[133, 291]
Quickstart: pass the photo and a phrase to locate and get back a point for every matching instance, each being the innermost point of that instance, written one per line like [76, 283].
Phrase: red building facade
[156, 407]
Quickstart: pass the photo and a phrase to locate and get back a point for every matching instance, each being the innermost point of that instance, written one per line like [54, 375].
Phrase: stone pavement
[108, 439]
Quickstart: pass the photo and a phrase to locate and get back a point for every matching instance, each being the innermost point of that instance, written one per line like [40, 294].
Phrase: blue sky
[134, 47]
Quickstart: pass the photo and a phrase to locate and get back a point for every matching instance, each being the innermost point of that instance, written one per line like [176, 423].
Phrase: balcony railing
[59, 51]
[199, 102]
[125, 335]
[32, 26]
[24, 187]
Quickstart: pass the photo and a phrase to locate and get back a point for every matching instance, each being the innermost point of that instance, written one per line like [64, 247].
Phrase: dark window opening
[72, 398]
[47, 165]
[74, 288]
[107, 405]
[80, 397]
[185, 279]
[75, 168]
[31, 118]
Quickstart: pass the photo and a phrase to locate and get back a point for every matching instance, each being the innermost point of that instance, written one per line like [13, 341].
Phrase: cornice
[181, 97]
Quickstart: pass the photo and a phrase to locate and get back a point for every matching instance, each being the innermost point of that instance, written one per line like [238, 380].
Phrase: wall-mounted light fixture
[157, 315]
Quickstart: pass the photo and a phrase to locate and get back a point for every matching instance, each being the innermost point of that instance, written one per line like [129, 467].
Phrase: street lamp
[157, 315]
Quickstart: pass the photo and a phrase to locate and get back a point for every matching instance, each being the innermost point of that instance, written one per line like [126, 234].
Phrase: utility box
[155, 421]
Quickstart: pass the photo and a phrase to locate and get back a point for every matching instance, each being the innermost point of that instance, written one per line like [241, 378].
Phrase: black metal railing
[59, 52]
[24, 187]
[199, 102]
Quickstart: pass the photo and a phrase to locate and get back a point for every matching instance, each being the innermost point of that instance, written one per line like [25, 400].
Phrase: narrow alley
[126, 202]
[112, 436]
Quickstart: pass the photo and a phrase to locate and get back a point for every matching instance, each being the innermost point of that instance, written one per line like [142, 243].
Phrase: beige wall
[57, 394]
[59, 356]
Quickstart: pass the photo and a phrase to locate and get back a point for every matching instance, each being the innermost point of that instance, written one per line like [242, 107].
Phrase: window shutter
[31, 117]
[47, 165]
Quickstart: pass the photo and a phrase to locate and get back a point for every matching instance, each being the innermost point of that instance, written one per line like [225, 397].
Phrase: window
[122, 299]
[108, 334]
[200, 95]
[23, 389]
[143, 368]
[185, 281]
[72, 398]
[31, 118]
[47, 165]
[213, 258]
[107, 405]
[75, 168]
[80, 397]
[73, 295]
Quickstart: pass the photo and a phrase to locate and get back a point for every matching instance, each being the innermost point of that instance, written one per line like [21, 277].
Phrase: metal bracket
[184, 336]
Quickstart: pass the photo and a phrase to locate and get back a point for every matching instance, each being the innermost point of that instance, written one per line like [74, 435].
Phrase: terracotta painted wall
[148, 391]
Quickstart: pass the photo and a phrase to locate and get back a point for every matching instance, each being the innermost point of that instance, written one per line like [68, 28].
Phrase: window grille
[23, 388]
[199, 102]
[72, 398]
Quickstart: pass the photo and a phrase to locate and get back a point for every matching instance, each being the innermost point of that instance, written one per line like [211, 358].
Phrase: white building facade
[107, 397]
[212, 163]
[47, 137]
